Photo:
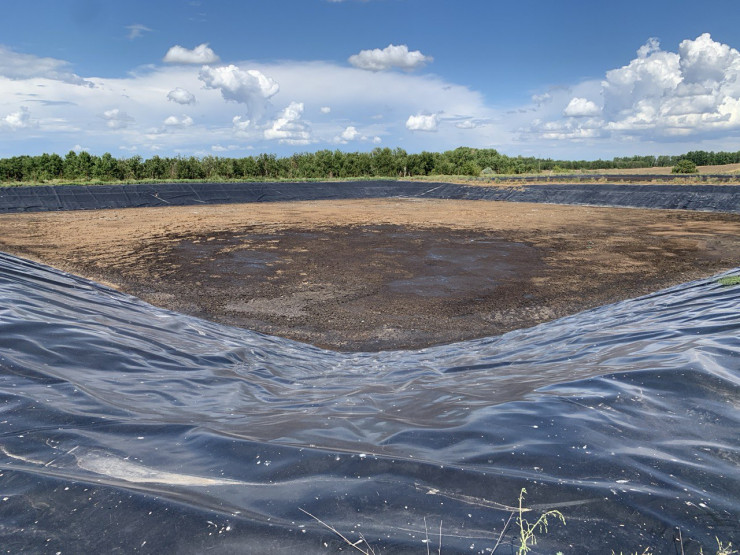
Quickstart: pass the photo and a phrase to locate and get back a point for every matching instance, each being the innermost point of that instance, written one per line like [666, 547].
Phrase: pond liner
[715, 198]
[128, 428]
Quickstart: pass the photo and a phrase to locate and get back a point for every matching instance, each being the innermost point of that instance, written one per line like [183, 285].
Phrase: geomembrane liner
[127, 427]
[719, 198]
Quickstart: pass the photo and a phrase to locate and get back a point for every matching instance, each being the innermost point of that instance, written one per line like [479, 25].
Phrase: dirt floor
[380, 274]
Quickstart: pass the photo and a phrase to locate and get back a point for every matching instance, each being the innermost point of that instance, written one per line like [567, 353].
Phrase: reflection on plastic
[126, 427]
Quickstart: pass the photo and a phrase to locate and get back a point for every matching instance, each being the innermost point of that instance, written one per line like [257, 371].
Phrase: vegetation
[684, 166]
[527, 531]
[323, 164]
[730, 280]
[526, 534]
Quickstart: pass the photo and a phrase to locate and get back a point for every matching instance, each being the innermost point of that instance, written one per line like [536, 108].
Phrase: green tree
[85, 164]
[106, 167]
[684, 166]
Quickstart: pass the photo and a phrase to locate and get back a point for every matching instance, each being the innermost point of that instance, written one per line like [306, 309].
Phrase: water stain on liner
[127, 427]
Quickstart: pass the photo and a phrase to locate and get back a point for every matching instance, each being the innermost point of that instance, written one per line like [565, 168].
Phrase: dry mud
[372, 275]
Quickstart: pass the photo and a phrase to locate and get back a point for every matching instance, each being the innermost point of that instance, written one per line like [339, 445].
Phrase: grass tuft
[730, 280]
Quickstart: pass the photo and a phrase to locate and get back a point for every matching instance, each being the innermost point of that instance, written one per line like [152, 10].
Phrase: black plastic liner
[719, 198]
[127, 428]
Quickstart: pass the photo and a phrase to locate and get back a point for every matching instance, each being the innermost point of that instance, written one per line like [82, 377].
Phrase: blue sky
[568, 79]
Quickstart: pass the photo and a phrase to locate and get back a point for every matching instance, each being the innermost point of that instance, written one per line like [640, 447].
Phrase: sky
[572, 79]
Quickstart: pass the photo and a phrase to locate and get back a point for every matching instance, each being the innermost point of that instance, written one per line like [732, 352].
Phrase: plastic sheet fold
[127, 428]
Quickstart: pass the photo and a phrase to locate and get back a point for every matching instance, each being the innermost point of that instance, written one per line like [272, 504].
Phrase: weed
[527, 534]
[360, 545]
[527, 531]
[722, 549]
[730, 280]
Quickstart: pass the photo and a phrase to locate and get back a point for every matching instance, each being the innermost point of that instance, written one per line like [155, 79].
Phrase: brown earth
[380, 274]
[668, 170]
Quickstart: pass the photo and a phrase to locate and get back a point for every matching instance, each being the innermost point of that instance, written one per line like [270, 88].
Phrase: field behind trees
[84, 167]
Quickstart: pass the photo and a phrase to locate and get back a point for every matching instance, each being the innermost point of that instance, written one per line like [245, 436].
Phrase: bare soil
[380, 274]
[668, 170]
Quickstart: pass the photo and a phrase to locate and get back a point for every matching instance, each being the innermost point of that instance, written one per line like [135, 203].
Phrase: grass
[544, 178]
[55, 182]
[729, 280]
[527, 533]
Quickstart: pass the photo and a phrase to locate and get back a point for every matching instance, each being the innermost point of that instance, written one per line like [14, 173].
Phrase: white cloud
[660, 95]
[227, 148]
[708, 62]
[15, 65]
[325, 109]
[421, 122]
[466, 124]
[288, 127]
[652, 45]
[116, 119]
[181, 96]
[350, 133]
[181, 122]
[18, 120]
[137, 30]
[389, 57]
[201, 54]
[251, 87]
[242, 128]
[581, 107]
[71, 114]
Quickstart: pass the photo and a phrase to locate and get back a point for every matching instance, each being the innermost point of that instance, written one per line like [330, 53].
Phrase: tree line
[380, 162]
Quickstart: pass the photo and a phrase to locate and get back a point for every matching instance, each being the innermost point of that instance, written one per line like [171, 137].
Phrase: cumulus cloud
[707, 62]
[652, 45]
[18, 120]
[660, 94]
[15, 65]
[581, 107]
[131, 109]
[201, 54]
[242, 127]
[178, 122]
[421, 122]
[288, 127]
[116, 119]
[350, 133]
[251, 87]
[391, 56]
[181, 96]
[572, 129]
[325, 109]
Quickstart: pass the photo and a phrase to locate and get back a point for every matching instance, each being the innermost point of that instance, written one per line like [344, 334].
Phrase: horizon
[192, 78]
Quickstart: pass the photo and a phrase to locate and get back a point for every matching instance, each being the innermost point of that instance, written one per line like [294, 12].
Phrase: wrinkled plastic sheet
[127, 428]
[719, 198]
